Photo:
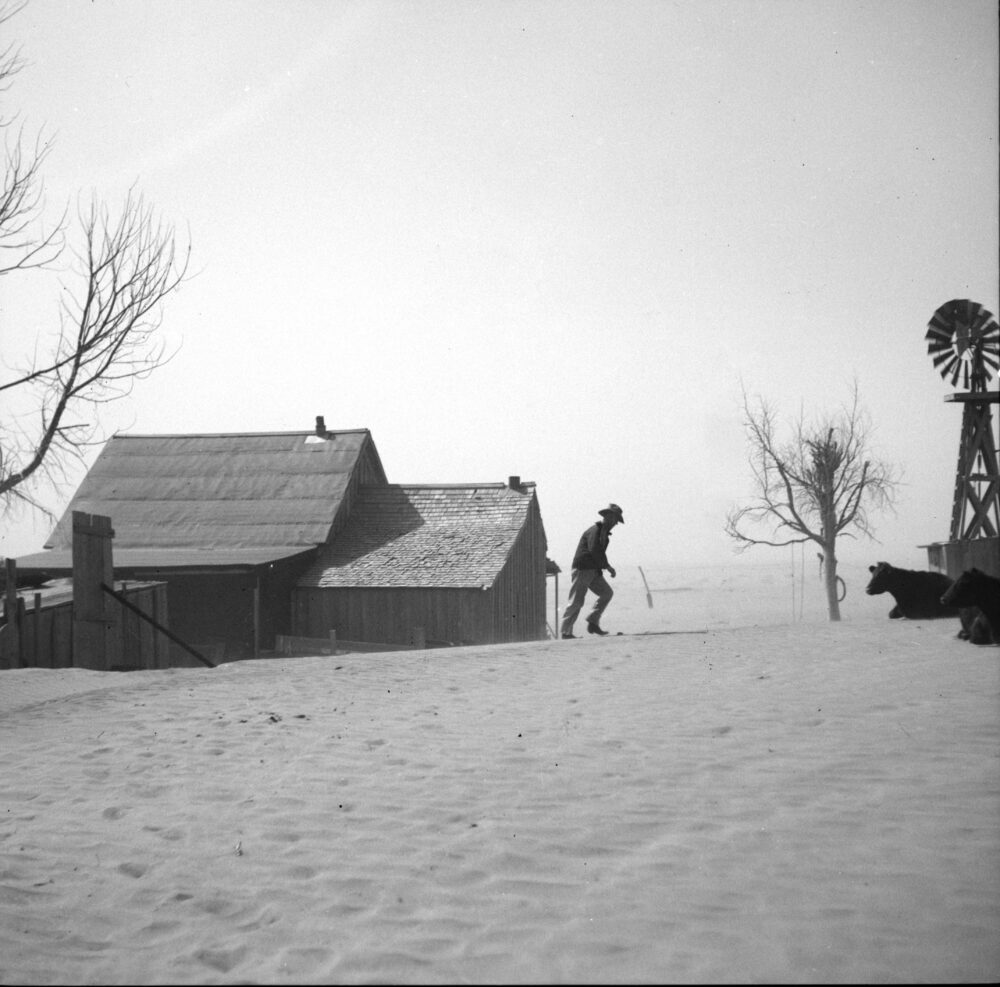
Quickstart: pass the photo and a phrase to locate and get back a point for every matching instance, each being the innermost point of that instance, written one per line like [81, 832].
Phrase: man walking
[589, 563]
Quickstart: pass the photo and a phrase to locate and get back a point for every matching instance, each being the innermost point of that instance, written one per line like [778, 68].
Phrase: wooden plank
[62, 637]
[36, 627]
[288, 644]
[12, 644]
[372, 647]
[93, 647]
[256, 617]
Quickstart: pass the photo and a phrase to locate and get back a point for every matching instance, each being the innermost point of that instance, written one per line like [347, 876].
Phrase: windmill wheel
[963, 339]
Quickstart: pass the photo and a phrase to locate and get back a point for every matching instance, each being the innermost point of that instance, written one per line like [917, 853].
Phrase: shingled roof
[216, 499]
[452, 536]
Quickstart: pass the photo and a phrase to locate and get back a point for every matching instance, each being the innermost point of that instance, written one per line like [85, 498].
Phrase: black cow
[917, 594]
[975, 629]
[975, 588]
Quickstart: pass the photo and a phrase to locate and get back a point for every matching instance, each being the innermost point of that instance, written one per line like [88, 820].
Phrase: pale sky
[542, 238]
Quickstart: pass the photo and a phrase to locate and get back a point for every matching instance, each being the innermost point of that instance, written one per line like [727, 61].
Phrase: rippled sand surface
[808, 803]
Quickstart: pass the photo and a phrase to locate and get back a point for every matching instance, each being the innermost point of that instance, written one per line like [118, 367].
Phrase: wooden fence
[90, 621]
[41, 632]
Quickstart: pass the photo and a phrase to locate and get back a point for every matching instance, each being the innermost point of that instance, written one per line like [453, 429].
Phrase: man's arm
[598, 550]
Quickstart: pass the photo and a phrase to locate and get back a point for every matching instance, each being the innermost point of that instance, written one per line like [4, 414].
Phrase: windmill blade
[989, 348]
[937, 328]
[947, 370]
[935, 344]
[980, 319]
[939, 334]
[963, 341]
[944, 363]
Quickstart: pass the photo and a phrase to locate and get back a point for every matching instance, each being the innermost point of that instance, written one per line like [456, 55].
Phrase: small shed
[463, 563]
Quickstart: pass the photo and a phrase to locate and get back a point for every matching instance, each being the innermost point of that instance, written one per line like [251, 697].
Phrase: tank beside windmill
[963, 340]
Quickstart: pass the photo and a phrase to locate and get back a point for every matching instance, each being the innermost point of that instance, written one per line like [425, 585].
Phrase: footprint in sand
[222, 960]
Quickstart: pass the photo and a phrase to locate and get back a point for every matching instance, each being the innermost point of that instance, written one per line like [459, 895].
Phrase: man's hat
[613, 509]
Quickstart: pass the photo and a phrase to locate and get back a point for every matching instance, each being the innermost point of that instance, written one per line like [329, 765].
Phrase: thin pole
[792, 547]
[649, 596]
[256, 617]
[802, 576]
[555, 607]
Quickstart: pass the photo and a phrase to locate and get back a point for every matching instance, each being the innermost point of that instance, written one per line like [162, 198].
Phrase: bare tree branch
[818, 486]
[21, 188]
[107, 338]
[109, 316]
[21, 203]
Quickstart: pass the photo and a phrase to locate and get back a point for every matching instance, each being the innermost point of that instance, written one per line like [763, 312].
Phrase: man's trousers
[583, 580]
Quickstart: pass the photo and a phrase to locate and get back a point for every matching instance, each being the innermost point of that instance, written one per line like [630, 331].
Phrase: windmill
[963, 340]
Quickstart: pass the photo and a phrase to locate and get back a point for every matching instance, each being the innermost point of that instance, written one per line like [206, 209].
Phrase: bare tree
[22, 248]
[108, 317]
[815, 486]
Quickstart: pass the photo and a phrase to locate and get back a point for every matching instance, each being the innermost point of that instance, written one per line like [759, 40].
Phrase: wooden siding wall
[513, 609]
[954, 557]
[517, 598]
[212, 613]
[389, 615]
[277, 584]
[367, 472]
[216, 610]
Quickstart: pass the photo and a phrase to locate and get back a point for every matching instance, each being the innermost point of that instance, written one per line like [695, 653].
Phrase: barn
[464, 563]
[260, 534]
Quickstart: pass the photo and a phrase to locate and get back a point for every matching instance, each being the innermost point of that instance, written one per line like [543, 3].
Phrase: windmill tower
[963, 340]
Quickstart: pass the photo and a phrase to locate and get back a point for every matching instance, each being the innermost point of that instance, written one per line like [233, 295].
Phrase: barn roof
[59, 561]
[192, 499]
[452, 536]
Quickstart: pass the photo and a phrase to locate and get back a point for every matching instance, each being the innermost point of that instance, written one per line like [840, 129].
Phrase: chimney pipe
[514, 482]
[321, 427]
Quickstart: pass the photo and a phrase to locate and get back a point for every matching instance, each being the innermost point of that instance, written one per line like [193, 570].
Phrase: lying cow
[975, 629]
[975, 588]
[917, 594]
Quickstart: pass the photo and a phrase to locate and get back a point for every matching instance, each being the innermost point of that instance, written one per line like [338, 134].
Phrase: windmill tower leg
[976, 509]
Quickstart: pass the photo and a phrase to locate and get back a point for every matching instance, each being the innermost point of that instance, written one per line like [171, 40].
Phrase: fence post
[36, 631]
[12, 646]
[92, 566]
[256, 616]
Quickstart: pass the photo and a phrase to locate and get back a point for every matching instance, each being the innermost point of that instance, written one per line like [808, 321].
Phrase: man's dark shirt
[591, 553]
